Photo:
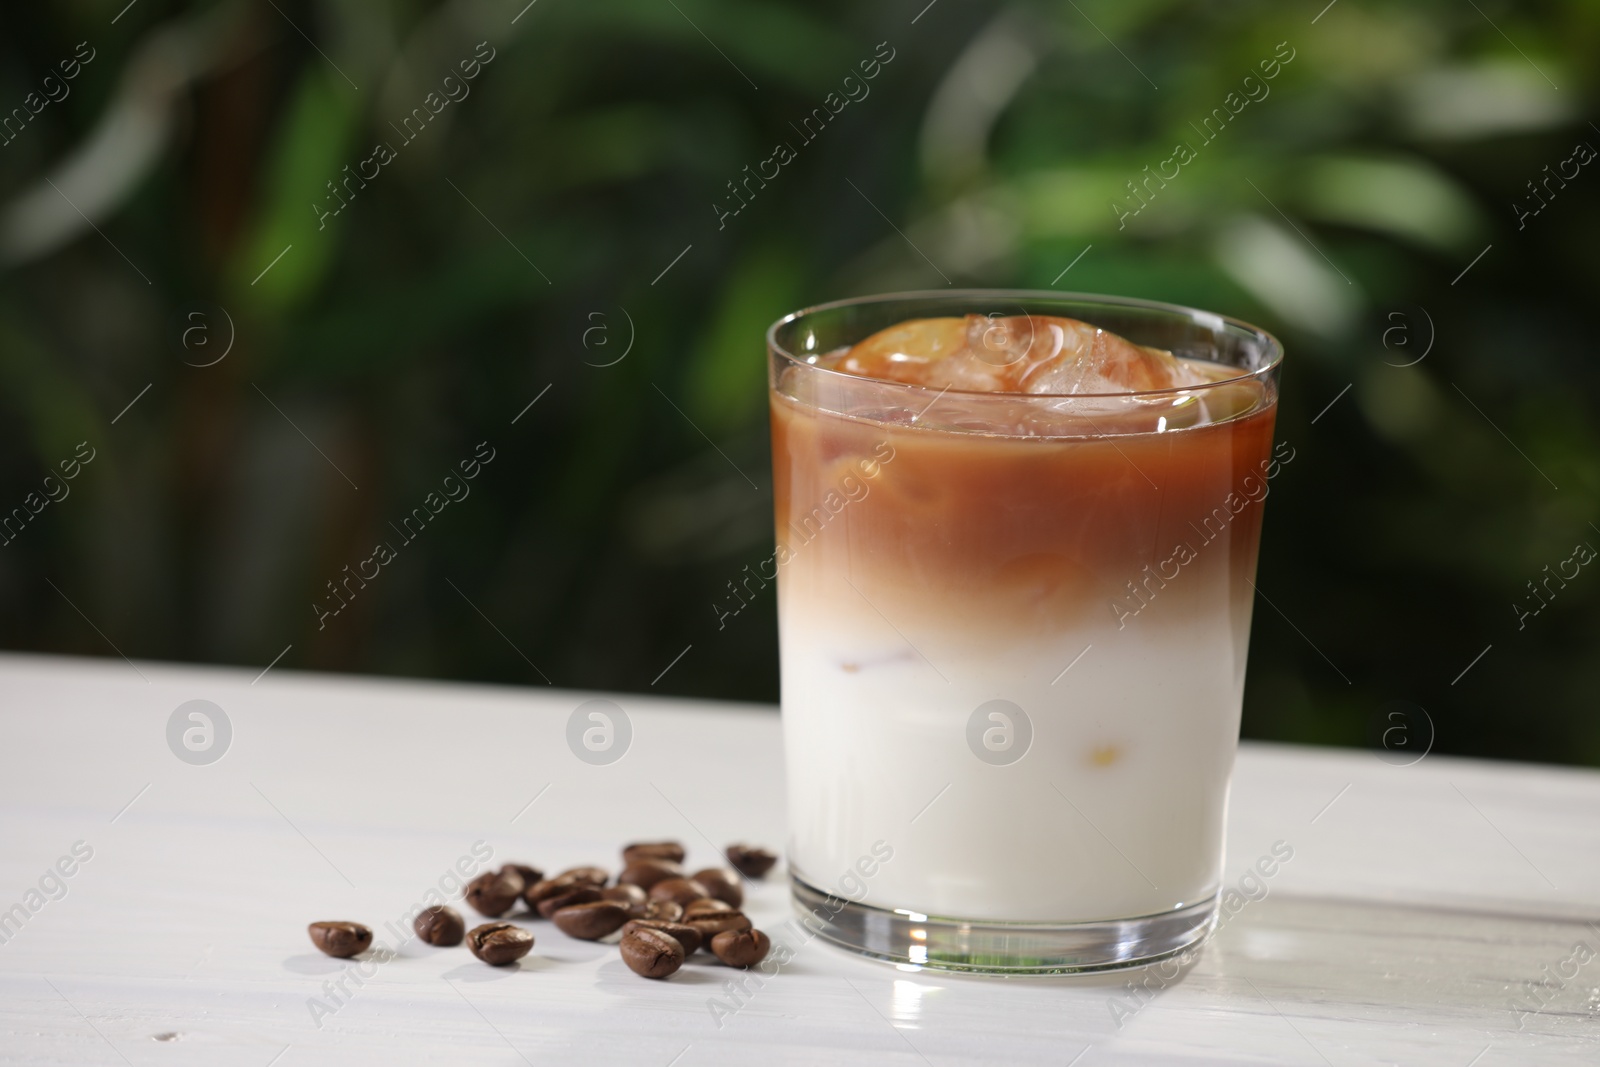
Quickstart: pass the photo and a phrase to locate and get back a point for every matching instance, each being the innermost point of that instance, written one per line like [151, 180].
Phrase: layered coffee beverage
[1015, 560]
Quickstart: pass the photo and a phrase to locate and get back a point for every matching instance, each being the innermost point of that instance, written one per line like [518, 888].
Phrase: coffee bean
[529, 874]
[629, 896]
[741, 948]
[652, 953]
[685, 935]
[679, 889]
[569, 896]
[498, 944]
[591, 921]
[653, 850]
[704, 907]
[493, 892]
[595, 876]
[712, 923]
[440, 925]
[539, 891]
[750, 861]
[646, 873]
[665, 910]
[721, 883]
[340, 940]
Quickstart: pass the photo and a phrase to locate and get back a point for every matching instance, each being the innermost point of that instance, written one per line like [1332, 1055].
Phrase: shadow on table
[314, 963]
[1405, 964]
[1541, 972]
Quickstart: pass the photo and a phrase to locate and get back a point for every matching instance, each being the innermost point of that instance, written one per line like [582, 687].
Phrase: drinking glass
[1012, 631]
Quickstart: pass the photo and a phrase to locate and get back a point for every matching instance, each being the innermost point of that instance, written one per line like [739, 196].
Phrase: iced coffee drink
[1016, 539]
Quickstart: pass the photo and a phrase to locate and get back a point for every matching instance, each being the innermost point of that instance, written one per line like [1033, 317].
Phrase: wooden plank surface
[1431, 914]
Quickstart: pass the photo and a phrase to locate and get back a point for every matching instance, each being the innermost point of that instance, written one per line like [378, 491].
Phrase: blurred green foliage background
[520, 241]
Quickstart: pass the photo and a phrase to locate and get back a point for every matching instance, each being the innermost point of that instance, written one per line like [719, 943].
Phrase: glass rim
[1209, 320]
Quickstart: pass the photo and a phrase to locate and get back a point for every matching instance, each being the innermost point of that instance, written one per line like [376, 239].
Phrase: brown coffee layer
[1016, 535]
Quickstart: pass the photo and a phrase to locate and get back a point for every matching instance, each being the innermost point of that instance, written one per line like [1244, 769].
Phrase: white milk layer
[1115, 810]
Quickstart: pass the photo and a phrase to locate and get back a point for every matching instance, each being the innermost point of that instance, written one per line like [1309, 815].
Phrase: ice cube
[1092, 360]
[1015, 354]
[1007, 342]
[905, 352]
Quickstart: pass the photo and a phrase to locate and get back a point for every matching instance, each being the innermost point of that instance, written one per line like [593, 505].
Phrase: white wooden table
[1420, 902]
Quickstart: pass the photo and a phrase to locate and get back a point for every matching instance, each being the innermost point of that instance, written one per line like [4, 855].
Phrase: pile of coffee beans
[663, 914]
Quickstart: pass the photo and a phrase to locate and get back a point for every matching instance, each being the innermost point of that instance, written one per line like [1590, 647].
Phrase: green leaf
[728, 371]
[315, 142]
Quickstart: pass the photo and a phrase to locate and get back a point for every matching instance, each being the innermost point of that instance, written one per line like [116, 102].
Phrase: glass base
[991, 947]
